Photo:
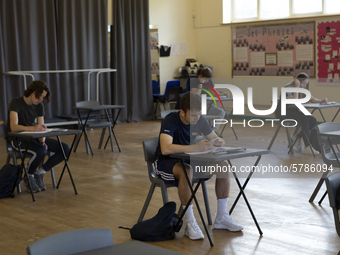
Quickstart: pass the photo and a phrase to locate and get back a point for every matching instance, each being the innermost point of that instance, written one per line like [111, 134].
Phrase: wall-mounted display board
[154, 51]
[274, 50]
[328, 53]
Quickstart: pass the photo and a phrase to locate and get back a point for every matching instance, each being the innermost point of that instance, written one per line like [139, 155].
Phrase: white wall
[174, 22]
[210, 43]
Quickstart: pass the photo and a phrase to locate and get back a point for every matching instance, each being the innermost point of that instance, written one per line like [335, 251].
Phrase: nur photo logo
[239, 103]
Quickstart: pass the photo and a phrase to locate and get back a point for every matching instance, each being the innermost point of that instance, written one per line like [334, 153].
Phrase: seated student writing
[23, 111]
[178, 131]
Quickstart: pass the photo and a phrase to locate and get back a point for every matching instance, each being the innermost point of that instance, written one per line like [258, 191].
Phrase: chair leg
[206, 202]
[147, 202]
[289, 137]
[324, 195]
[318, 186]
[8, 159]
[53, 178]
[101, 138]
[164, 193]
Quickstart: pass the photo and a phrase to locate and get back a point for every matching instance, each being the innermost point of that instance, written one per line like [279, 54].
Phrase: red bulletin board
[328, 53]
[274, 50]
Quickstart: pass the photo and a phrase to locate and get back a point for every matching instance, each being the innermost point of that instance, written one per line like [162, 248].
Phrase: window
[253, 10]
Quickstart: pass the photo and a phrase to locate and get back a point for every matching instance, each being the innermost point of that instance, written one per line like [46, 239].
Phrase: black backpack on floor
[8, 177]
[161, 227]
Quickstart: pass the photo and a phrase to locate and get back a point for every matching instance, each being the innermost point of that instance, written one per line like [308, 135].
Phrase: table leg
[336, 115]
[87, 141]
[244, 195]
[323, 117]
[66, 163]
[113, 133]
[193, 196]
[110, 132]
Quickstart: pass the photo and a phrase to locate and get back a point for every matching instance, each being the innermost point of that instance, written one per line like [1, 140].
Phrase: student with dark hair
[307, 122]
[26, 113]
[205, 82]
[177, 135]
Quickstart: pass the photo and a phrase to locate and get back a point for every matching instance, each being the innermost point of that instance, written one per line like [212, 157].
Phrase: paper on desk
[329, 103]
[40, 132]
[219, 150]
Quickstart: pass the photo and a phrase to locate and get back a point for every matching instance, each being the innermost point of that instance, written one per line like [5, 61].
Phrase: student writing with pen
[23, 113]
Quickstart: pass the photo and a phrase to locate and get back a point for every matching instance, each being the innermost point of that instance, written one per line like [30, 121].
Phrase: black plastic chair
[72, 242]
[164, 98]
[333, 185]
[149, 147]
[329, 155]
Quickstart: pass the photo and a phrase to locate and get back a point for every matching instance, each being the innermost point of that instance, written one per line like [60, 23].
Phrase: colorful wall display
[328, 52]
[274, 50]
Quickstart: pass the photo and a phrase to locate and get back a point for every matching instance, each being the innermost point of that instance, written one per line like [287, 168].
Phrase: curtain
[130, 55]
[82, 33]
[54, 35]
[24, 45]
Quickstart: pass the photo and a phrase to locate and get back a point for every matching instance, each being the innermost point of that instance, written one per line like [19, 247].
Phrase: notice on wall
[154, 51]
[276, 50]
[328, 53]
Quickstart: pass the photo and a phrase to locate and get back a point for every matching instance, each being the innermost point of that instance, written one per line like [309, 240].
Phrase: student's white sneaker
[226, 222]
[308, 151]
[193, 231]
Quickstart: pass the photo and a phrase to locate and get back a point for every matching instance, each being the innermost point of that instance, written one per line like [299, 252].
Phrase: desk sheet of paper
[41, 132]
[219, 150]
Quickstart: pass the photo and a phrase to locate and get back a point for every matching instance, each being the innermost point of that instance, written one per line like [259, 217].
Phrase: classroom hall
[111, 51]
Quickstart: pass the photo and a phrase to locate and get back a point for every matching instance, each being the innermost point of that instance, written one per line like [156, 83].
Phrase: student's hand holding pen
[41, 127]
[217, 142]
[203, 145]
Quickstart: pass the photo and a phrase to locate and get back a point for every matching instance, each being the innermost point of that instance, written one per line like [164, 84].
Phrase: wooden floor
[112, 188]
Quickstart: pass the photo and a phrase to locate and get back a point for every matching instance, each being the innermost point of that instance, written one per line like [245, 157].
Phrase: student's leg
[222, 188]
[192, 229]
[184, 191]
[57, 157]
[38, 153]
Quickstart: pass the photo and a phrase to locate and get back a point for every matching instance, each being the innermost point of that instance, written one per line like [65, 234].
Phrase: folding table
[89, 109]
[319, 107]
[210, 157]
[35, 135]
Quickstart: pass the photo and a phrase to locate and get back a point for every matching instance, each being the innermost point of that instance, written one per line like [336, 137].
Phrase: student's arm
[41, 122]
[196, 91]
[295, 95]
[321, 101]
[217, 141]
[167, 147]
[16, 127]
